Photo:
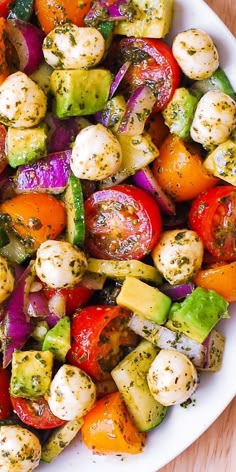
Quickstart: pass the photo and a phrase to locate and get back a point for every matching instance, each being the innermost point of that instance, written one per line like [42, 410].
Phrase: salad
[117, 224]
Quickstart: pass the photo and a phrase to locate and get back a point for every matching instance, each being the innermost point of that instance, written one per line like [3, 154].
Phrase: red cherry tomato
[5, 7]
[122, 222]
[36, 413]
[100, 337]
[213, 217]
[153, 64]
[5, 401]
[75, 297]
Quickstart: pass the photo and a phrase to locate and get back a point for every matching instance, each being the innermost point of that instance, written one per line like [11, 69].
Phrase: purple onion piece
[177, 292]
[138, 109]
[38, 305]
[145, 179]
[52, 320]
[49, 174]
[62, 132]
[118, 78]
[104, 11]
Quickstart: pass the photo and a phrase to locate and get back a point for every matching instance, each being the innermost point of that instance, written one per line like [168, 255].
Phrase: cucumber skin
[74, 202]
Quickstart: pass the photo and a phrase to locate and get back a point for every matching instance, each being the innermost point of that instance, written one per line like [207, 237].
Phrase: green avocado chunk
[80, 92]
[57, 339]
[179, 112]
[26, 145]
[197, 315]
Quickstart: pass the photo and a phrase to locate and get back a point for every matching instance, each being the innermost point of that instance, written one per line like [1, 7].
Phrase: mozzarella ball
[178, 255]
[214, 119]
[72, 393]
[20, 449]
[23, 104]
[96, 153]
[59, 264]
[6, 280]
[195, 53]
[70, 47]
[172, 378]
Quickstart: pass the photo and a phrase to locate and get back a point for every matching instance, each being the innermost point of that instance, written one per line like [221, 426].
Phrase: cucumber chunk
[122, 269]
[74, 203]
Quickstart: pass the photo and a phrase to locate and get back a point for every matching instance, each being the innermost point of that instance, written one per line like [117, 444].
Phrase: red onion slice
[177, 292]
[104, 11]
[118, 78]
[138, 109]
[145, 179]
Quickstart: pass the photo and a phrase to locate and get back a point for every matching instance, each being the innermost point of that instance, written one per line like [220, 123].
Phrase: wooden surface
[215, 450]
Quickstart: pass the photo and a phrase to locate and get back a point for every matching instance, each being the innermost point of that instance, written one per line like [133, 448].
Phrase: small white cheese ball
[72, 393]
[195, 53]
[70, 47]
[20, 450]
[96, 153]
[214, 119]
[172, 377]
[178, 255]
[59, 264]
[23, 104]
[6, 280]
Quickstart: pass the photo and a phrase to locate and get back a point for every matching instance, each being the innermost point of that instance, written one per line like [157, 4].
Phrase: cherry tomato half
[35, 413]
[5, 7]
[122, 222]
[213, 217]
[100, 338]
[75, 297]
[5, 402]
[56, 12]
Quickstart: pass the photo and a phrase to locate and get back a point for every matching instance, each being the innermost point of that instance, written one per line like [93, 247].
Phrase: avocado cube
[60, 438]
[221, 162]
[179, 112]
[26, 145]
[144, 300]
[57, 339]
[31, 373]
[80, 92]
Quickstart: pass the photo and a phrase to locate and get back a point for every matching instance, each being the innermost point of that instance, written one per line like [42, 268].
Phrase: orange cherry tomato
[109, 429]
[179, 170]
[35, 216]
[219, 277]
[4, 70]
[156, 127]
[52, 13]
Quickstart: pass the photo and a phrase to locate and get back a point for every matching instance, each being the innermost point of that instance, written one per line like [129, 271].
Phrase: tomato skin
[4, 7]
[4, 69]
[52, 13]
[160, 68]
[5, 401]
[3, 157]
[219, 277]
[213, 216]
[35, 413]
[76, 297]
[122, 222]
[93, 341]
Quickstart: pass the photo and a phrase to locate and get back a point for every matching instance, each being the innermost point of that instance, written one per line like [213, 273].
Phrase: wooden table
[215, 450]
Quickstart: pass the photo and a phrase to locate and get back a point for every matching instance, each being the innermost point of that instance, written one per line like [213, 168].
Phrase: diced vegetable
[21, 9]
[121, 269]
[138, 109]
[57, 339]
[26, 145]
[60, 438]
[221, 162]
[74, 202]
[214, 345]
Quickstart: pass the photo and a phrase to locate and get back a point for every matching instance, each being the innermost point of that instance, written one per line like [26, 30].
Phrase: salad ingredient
[7, 280]
[118, 78]
[74, 203]
[130, 376]
[107, 12]
[195, 53]
[60, 439]
[3, 157]
[179, 170]
[128, 215]
[219, 277]
[177, 291]
[4, 69]
[96, 153]
[165, 338]
[121, 269]
[59, 264]
[109, 429]
[57, 12]
[75, 297]
[72, 393]
[151, 303]
[22, 9]
[31, 373]
[221, 162]
[100, 335]
[5, 401]
[62, 132]
[152, 19]
[156, 128]
[159, 69]
[178, 255]
[4, 8]
[138, 108]
[47, 175]
[217, 81]
[212, 216]
[85, 92]
[4, 239]
[20, 449]
[27, 40]
[57, 339]
[145, 179]
[17, 90]
[35, 412]
[214, 344]
[26, 145]
[179, 112]
[35, 217]
[172, 377]
[69, 47]
[198, 314]
[214, 119]
[42, 77]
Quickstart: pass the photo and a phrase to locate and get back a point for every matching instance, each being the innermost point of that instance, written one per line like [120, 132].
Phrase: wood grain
[215, 450]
